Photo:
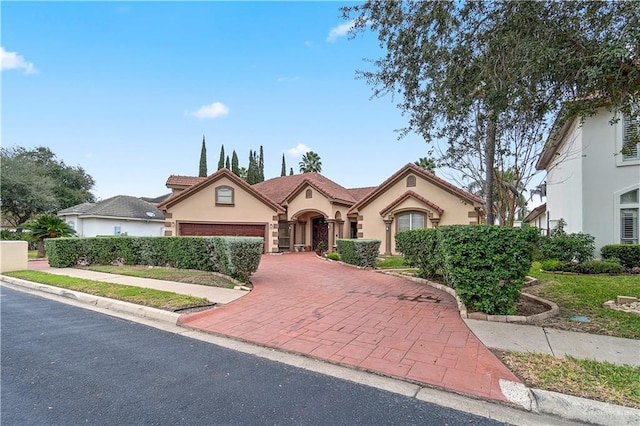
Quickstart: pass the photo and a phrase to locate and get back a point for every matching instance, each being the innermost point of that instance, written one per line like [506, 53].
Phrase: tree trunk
[41, 252]
[490, 153]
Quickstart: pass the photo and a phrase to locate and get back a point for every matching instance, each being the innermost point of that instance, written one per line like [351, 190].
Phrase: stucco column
[387, 238]
[292, 235]
[332, 234]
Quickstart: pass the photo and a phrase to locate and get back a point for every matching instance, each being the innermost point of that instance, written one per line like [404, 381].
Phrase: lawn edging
[97, 301]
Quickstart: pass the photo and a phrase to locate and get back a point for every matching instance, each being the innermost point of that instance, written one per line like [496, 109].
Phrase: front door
[320, 233]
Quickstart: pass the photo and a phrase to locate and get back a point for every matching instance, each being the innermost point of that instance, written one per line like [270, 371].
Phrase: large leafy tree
[47, 226]
[466, 72]
[203, 159]
[310, 163]
[34, 181]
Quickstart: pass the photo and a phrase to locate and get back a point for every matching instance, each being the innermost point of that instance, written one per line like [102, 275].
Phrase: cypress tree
[235, 168]
[250, 169]
[203, 160]
[291, 171]
[261, 166]
[221, 160]
[283, 172]
[227, 163]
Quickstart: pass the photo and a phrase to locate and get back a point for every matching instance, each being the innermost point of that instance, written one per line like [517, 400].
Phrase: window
[117, 230]
[630, 130]
[410, 221]
[224, 196]
[308, 194]
[629, 217]
[411, 181]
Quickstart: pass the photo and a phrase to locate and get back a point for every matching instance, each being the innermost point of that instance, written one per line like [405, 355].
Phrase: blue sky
[126, 90]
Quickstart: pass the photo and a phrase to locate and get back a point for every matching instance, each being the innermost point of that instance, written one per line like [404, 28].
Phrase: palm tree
[310, 163]
[426, 163]
[48, 226]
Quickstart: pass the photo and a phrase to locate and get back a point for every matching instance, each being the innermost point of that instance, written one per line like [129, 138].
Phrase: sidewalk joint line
[546, 336]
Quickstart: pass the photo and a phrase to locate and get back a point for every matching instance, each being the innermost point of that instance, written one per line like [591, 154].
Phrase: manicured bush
[629, 254]
[420, 249]
[359, 252]
[487, 264]
[237, 257]
[333, 255]
[553, 265]
[599, 267]
[565, 247]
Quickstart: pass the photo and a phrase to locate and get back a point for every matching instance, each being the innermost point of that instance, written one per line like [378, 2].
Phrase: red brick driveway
[359, 318]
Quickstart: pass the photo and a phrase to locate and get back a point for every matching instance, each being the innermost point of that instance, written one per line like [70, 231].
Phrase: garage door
[221, 230]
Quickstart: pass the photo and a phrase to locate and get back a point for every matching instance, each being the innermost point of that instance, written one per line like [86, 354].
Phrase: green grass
[603, 381]
[32, 254]
[391, 262]
[584, 295]
[189, 276]
[142, 296]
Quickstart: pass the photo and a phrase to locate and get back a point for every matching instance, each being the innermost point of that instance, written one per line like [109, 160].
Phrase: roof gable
[428, 176]
[178, 181]
[284, 188]
[224, 172]
[411, 194]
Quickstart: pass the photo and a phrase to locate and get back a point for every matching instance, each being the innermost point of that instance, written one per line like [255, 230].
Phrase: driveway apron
[359, 318]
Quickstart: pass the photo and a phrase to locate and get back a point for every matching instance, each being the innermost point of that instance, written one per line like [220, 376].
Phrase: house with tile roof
[119, 215]
[297, 212]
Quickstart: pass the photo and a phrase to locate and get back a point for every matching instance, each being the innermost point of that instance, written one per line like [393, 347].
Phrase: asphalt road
[65, 365]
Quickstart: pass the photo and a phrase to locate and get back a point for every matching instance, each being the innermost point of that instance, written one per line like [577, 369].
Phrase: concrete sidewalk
[213, 294]
[529, 338]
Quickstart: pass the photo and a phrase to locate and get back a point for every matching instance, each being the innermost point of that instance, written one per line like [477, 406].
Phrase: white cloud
[11, 61]
[340, 31]
[298, 150]
[214, 110]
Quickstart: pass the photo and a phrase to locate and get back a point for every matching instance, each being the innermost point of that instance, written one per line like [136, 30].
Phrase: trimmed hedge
[628, 254]
[237, 257]
[559, 245]
[485, 264]
[421, 250]
[359, 252]
[588, 267]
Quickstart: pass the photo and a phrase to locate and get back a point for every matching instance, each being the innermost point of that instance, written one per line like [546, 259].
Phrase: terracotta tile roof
[280, 189]
[410, 167]
[359, 193]
[204, 182]
[122, 206]
[409, 194]
[177, 180]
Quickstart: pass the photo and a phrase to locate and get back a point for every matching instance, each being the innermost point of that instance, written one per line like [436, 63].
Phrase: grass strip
[190, 276]
[165, 300]
[601, 381]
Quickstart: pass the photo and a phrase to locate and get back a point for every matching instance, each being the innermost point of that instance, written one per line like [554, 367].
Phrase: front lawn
[393, 262]
[602, 381]
[165, 300]
[583, 295]
[190, 276]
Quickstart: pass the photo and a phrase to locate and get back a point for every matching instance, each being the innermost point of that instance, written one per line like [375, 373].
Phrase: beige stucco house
[297, 212]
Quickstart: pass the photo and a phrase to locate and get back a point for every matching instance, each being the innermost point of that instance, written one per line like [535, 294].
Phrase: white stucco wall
[92, 227]
[13, 256]
[586, 178]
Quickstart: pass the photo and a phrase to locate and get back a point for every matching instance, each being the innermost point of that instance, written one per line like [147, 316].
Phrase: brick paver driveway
[359, 318]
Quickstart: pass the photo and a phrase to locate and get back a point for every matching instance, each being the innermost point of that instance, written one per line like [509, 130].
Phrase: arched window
[629, 207]
[411, 181]
[410, 221]
[308, 194]
[224, 196]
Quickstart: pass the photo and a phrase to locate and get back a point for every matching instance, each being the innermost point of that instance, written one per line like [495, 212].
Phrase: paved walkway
[362, 319]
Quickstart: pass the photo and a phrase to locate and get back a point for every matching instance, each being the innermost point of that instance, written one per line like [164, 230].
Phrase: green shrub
[487, 264]
[32, 243]
[559, 245]
[333, 255]
[359, 252]
[237, 257]
[629, 254]
[599, 267]
[552, 265]
[420, 249]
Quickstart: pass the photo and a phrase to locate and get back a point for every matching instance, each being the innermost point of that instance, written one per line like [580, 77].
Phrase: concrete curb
[584, 410]
[100, 302]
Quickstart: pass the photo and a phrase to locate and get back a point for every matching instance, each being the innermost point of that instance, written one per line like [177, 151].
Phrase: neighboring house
[538, 218]
[590, 183]
[119, 215]
[297, 212]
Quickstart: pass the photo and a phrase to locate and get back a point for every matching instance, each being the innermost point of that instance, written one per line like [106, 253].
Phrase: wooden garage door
[221, 230]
